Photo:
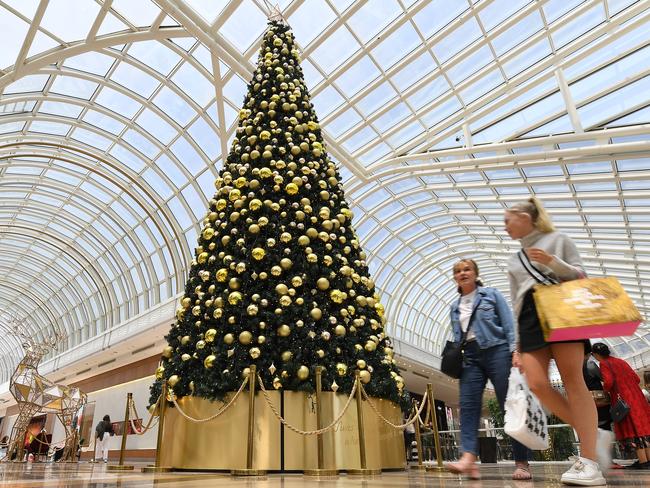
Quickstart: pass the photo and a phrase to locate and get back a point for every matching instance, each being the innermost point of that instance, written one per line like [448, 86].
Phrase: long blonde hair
[535, 209]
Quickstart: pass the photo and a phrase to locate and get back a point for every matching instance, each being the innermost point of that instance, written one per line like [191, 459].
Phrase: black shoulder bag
[620, 409]
[452, 354]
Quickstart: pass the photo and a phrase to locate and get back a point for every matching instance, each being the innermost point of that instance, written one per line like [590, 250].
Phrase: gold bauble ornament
[341, 369]
[312, 258]
[208, 233]
[229, 338]
[303, 240]
[173, 380]
[316, 313]
[380, 309]
[285, 237]
[323, 283]
[186, 302]
[276, 270]
[361, 364]
[284, 330]
[254, 352]
[160, 370]
[252, 310]
[296, 281]
[286, 356]
[303, 373]
[277, 384]
[370, 346]
[210, 335]
[337, 296]
[245, 337]
[221, 275]
[255, 204]
[218, 313]
[167, 351]
[254, 229]
[234, 298]
[285, 301]
[339, 330]
[208, 362]
[185, 339]
[291, 188]
[234, 283]
[258, 253]
[200, 344]
[286, 263]
[320, 353]
[364, 376]
[282, 289]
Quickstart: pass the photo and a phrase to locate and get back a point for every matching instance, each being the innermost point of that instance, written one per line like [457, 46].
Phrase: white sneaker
[604, 448]
[584, 472]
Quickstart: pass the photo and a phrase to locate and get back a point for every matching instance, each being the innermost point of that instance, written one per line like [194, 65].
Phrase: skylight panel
[140, 13]
[235, 89]
[498, 11]
[392, 117]
[127, 158]
[117, 102]
[357, 76]
[429, 92]
[589, 168]
[617, 102]
[90, 62]
[174, 106]
[91, 138]
[456, 40]
[405, 134]
[441, 111]
[578, 26]
[327, 101]
[379, 151]
[343, 122]
[636, 164]
[554, 9]
[310, 19]
[207, 139]
[363, 136]
[335, 49]
[527, 58]
[156, 126]
[437, 14]
[73, 87]
[192, 82]
[135, 79]
[11, 127]
[26, 84]
[104, 122]
[376, 98]
[386, 53]
[561, 125]
[188, 157]
[372, 17]
[206, 9]
[518, 33]
[12, 36]
[244, 25]
[312, 76]
[141, 143]
[154, 54]
[615, 6]
[413, 71]
[59, 108]
[54, 128]
[470, 64]
[57, 19]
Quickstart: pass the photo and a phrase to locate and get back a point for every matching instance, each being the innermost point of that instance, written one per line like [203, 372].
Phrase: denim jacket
[492, 321]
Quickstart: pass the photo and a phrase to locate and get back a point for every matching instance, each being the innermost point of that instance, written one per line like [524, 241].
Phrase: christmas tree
[278, 279]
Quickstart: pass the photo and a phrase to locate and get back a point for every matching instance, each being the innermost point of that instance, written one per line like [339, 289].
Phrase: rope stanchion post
[363, 471]
[94, 459]
[321, 471]
[162, 406]
[418, 438]
[125, 432]
[434, 426]
[249, 471]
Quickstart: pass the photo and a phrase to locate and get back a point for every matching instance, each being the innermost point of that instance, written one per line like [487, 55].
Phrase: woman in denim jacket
[488, 355]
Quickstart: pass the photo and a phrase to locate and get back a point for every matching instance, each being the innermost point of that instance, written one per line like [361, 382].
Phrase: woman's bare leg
[535, 365]
[583, 416]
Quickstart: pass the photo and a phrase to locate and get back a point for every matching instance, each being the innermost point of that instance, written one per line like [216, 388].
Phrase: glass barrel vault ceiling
[441, 113]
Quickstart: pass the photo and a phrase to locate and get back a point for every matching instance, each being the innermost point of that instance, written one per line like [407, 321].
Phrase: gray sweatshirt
[565, 266]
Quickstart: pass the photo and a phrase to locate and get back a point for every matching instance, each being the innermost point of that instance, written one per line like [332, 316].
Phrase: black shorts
[531, 336]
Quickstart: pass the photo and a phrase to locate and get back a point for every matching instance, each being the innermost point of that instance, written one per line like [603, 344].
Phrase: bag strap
[533, 271]
[463, 335]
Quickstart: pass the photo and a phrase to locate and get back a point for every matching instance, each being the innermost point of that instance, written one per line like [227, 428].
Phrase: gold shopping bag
[585, 308]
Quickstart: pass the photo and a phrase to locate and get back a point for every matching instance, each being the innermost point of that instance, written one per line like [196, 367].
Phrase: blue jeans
[480, 365]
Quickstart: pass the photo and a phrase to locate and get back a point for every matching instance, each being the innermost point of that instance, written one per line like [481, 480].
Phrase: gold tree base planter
[189, 445]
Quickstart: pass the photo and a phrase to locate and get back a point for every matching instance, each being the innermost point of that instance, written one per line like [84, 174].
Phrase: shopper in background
[103, 432]
[593, 380]
[555, 255]
[619, 379]
[484, 316]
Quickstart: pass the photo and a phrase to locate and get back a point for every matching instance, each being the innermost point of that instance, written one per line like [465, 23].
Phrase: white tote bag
[525, 419]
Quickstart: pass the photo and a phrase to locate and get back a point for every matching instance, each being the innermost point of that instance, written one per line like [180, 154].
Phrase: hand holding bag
[583, 308]
[525, 419]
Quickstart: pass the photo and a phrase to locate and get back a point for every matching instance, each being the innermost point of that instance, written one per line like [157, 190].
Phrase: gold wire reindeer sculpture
[36, 394]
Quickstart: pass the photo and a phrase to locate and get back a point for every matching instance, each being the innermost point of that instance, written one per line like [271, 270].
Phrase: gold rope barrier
[295, 429]
[403, 426]
[147, 427]
[212, 417]
[125, 433]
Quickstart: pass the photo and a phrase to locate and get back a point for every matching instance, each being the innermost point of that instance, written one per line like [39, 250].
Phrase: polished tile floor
[86, 475]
